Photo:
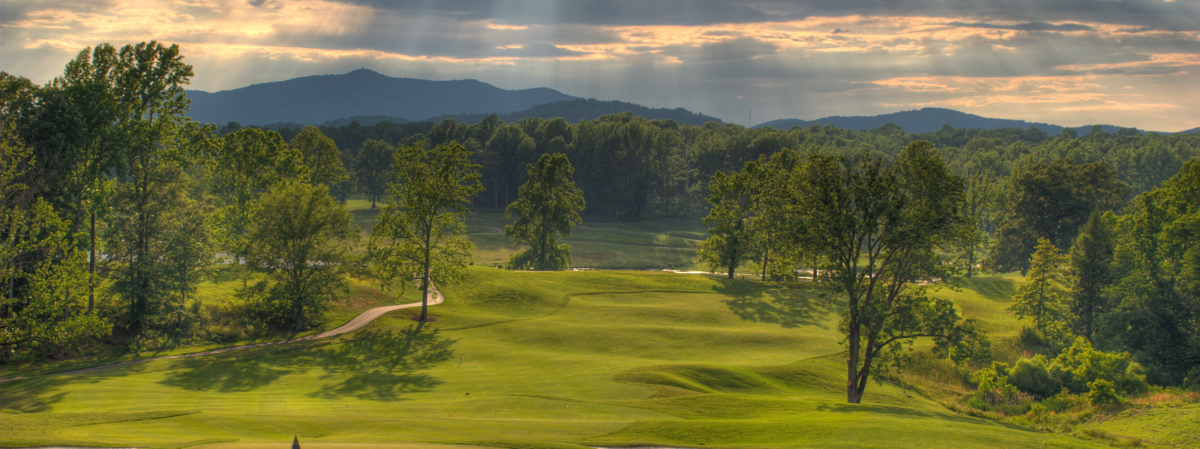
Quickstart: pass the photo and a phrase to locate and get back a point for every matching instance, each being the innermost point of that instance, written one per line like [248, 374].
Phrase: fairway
[519, 359]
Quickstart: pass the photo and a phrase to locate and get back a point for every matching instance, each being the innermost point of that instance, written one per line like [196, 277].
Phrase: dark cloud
[1028, 26]
[1179, 15]
[17, 10]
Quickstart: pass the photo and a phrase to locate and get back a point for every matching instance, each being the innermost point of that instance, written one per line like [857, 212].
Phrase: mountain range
[314, 100]
[929, 120]
[370, 97]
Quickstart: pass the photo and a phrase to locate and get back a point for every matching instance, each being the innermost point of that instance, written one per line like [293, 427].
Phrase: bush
[1080, 364]
[1192, 380]
[1101, 392]
[1134, 379]
[1033, 377]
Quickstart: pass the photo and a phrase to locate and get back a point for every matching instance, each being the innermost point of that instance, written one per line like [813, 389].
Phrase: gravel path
[435, 297]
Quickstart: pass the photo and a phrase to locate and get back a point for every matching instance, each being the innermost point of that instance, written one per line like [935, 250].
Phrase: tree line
[631, 168]
[115, 205]
[1119, 271]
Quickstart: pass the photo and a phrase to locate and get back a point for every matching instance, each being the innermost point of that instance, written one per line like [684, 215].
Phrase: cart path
[435, 297]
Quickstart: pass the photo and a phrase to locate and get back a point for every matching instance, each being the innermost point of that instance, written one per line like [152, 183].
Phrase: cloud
[1179, 15]
[780, 58]
[1028, 26]
[276, 4]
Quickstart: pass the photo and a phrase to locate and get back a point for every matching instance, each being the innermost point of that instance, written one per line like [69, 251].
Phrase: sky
[1066, 62]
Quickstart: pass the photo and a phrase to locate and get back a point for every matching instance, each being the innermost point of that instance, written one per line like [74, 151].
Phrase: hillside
[315, 100]
[928, 120]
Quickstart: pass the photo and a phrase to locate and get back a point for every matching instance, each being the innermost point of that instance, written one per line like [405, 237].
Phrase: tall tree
[1090, 258]
[157, 142]
[373, 168]
[880, 226]
[188, 247]
[321, 156]
[303, 240]
[1051, 200]
[728, 239]
[1043, 297]
[547, 207]
[775, 250]
[421, 233]
[1156, 266]
[245, 164]
[44, 310]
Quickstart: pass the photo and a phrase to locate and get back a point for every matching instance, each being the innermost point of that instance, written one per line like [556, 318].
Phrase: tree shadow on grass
[382, 365]
[373, 365]
[242, 371]
[32, 395]
[787, 307]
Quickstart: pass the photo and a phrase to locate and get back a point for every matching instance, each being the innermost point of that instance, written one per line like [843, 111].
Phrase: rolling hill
[928, 120]
[318, 99]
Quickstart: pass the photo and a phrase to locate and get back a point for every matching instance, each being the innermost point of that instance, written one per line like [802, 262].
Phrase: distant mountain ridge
[930, 120]
[579, 109]
[314, 100]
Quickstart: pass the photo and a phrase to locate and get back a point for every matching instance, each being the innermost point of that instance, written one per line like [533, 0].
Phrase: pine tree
[1043, 297]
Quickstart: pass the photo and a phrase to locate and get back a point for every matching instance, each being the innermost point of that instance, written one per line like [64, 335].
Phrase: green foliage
[321, 157]
[1051, 200]
[547, 208]
[1032, 376]
[1155, 299]
[241, 167]
[728, 241]
[1101, 392]
[303, 240]
[373, 168]
[1043, 298]
[1089, 272]
[420, 233]
[880, 223]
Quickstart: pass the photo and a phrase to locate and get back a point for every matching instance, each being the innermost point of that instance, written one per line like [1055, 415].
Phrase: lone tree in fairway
[421, 233]
[879, 225]
[548, 206]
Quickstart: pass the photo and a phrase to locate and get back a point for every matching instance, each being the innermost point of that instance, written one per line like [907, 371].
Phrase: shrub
[1134, 379]
[1101, 392]
[1033, 377]
[1192, 380]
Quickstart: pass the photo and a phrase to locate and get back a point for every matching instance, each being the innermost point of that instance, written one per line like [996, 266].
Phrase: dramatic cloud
[1070, 62]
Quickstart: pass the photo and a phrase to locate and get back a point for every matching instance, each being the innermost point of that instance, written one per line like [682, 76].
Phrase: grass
[531, 360]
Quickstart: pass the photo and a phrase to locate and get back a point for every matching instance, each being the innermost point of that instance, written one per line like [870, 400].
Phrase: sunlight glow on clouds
[1072, 62]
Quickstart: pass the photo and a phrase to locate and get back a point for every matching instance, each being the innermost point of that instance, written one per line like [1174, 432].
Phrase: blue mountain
[314, 100]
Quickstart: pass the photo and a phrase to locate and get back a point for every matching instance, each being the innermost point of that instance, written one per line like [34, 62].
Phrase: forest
[115, 204]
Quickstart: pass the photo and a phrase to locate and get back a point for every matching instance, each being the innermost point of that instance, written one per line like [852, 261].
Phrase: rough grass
[523, 359]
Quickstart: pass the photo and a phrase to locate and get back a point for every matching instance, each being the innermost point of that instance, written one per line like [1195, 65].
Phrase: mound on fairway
[519, 359]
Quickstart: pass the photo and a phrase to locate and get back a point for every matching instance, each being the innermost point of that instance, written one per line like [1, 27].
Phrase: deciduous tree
[547, 208]
[421, 232]
[880, 225]
[302, 238]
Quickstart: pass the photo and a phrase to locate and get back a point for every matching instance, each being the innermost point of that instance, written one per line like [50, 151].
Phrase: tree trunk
[425, 285]
[766, 254]
[970, 262]
[852, 338]
[92, 266]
